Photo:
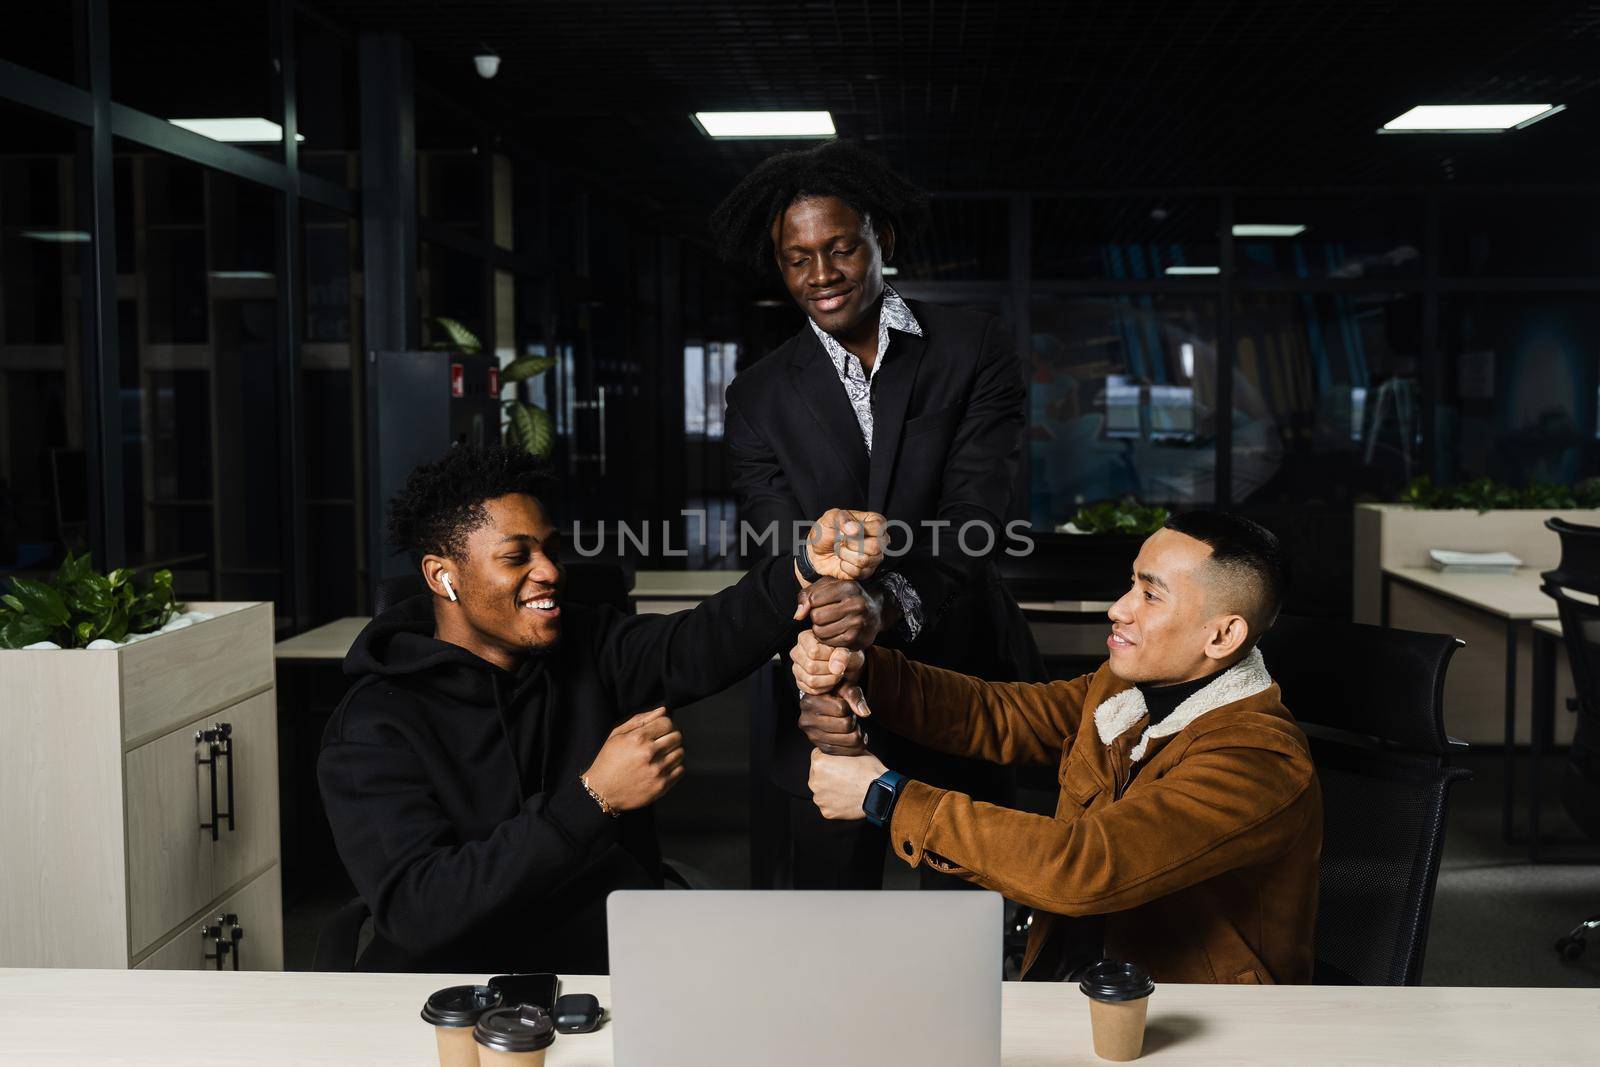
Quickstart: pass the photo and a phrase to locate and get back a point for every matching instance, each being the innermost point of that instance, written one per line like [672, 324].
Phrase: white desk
[1516, 596]
[324, 644]
[176, 1018]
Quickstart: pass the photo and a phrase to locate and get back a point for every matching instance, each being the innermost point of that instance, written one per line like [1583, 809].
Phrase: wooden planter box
[115, 854]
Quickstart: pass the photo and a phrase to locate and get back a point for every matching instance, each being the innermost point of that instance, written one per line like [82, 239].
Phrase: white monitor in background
[805, 979]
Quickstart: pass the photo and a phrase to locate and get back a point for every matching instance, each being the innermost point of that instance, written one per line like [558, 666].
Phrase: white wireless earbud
[448, 588]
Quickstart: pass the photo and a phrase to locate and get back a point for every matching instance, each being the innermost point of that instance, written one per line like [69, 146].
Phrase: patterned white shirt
[893, 314]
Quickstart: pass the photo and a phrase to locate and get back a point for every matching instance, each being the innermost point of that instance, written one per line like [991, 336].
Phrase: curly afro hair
[442, 501]
[741, 225]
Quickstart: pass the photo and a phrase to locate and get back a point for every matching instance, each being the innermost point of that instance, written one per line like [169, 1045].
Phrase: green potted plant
[527, 425]
[83, 608]
[1086, 558]
[1125, 518]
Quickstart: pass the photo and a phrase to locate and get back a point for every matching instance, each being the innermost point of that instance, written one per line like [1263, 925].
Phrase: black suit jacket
[947, 433]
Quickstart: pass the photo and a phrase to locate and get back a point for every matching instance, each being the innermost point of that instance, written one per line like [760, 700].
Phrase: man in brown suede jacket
[1189, 825]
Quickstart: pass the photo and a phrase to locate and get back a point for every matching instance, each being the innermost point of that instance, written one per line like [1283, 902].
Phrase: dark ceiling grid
[1003, 94]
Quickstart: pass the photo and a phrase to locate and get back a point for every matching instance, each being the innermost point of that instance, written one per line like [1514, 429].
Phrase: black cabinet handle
[218, 744]
[213, 933]
[225, 736]
[207, 758]
[224, 933]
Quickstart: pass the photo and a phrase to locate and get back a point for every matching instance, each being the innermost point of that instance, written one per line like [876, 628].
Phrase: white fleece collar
[1117, 714]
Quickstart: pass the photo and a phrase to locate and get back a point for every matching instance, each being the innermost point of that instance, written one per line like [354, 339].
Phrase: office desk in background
[178, 1018]
[1511, 602]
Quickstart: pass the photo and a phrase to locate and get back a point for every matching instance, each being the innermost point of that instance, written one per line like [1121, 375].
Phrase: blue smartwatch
[881, 797]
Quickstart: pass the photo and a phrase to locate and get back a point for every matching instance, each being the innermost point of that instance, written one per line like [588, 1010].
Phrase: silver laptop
[805, 979]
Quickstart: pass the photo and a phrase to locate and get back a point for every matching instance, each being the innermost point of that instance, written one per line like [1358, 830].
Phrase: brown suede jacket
[1205, 865]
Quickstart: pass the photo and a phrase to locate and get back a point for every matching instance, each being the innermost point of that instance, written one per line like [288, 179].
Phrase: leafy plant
[1486, 494]
[527, 425]
[1127, 517]
[82, 605]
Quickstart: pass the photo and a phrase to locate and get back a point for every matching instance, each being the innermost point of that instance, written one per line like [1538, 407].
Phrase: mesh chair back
[393, 590]
[1376, 726]
[1574, 585]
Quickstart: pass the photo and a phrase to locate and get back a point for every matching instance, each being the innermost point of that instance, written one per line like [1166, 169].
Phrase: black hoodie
[452, 785]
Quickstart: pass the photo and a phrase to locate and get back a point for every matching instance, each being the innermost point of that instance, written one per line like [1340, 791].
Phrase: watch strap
[888, 782]
[802, 562]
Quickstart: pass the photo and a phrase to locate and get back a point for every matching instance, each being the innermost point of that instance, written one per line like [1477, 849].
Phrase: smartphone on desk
[517, 989]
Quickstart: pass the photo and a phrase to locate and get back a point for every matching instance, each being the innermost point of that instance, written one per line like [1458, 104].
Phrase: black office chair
[339, 942]
[1574, 585]
[1375, 720]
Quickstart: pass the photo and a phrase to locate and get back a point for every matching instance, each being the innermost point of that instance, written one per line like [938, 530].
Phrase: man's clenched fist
[846, 544]
[640, 761]
[826, 721]
[842, 613]
[839, 783]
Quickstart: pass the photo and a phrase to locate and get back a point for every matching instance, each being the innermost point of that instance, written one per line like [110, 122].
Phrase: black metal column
[388, 235]
[296, 543]
[1223, 405]
[102, 368]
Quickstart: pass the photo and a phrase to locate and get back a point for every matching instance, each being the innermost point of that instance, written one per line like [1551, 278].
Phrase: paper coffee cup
[514, 1037]
[453, 1012]
[1119, 997]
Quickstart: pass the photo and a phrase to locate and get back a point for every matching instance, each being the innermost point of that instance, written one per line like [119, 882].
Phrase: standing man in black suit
[907, 409]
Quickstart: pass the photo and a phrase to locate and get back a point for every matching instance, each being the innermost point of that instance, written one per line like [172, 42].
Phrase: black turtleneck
[1163, 700]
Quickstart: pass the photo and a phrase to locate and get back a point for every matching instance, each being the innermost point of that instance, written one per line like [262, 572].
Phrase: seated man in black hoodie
[488, 775]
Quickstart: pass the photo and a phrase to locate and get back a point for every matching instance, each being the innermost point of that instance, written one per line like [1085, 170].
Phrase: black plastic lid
[459, 1005]
[523, 1029]
[1115, 981]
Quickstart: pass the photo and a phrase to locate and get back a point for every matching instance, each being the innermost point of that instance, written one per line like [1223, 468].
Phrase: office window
[965, 239]
[331, 411]
[1122, 402]
[45, 253]
[708, 367]
[451, 285]
[1519, 235]
[1327, 396]
[46, 36]
[503, 176]
[1343, 237]
[1517, 394]
[450, 178]
[198, 59]
[327, 107]
[198, 339]
[1124, 239]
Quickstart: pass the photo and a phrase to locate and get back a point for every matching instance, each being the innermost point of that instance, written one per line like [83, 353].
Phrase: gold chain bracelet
[583, 779]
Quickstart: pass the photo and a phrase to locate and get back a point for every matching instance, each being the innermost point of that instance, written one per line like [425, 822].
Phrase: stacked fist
[845, 547]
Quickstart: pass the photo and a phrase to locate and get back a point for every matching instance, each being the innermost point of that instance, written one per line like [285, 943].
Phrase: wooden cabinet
[245, 924]
[140, 787]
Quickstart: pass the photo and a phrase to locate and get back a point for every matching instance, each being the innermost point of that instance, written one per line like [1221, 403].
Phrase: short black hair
[1247, 553]
[741, 225]
[443, 501]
